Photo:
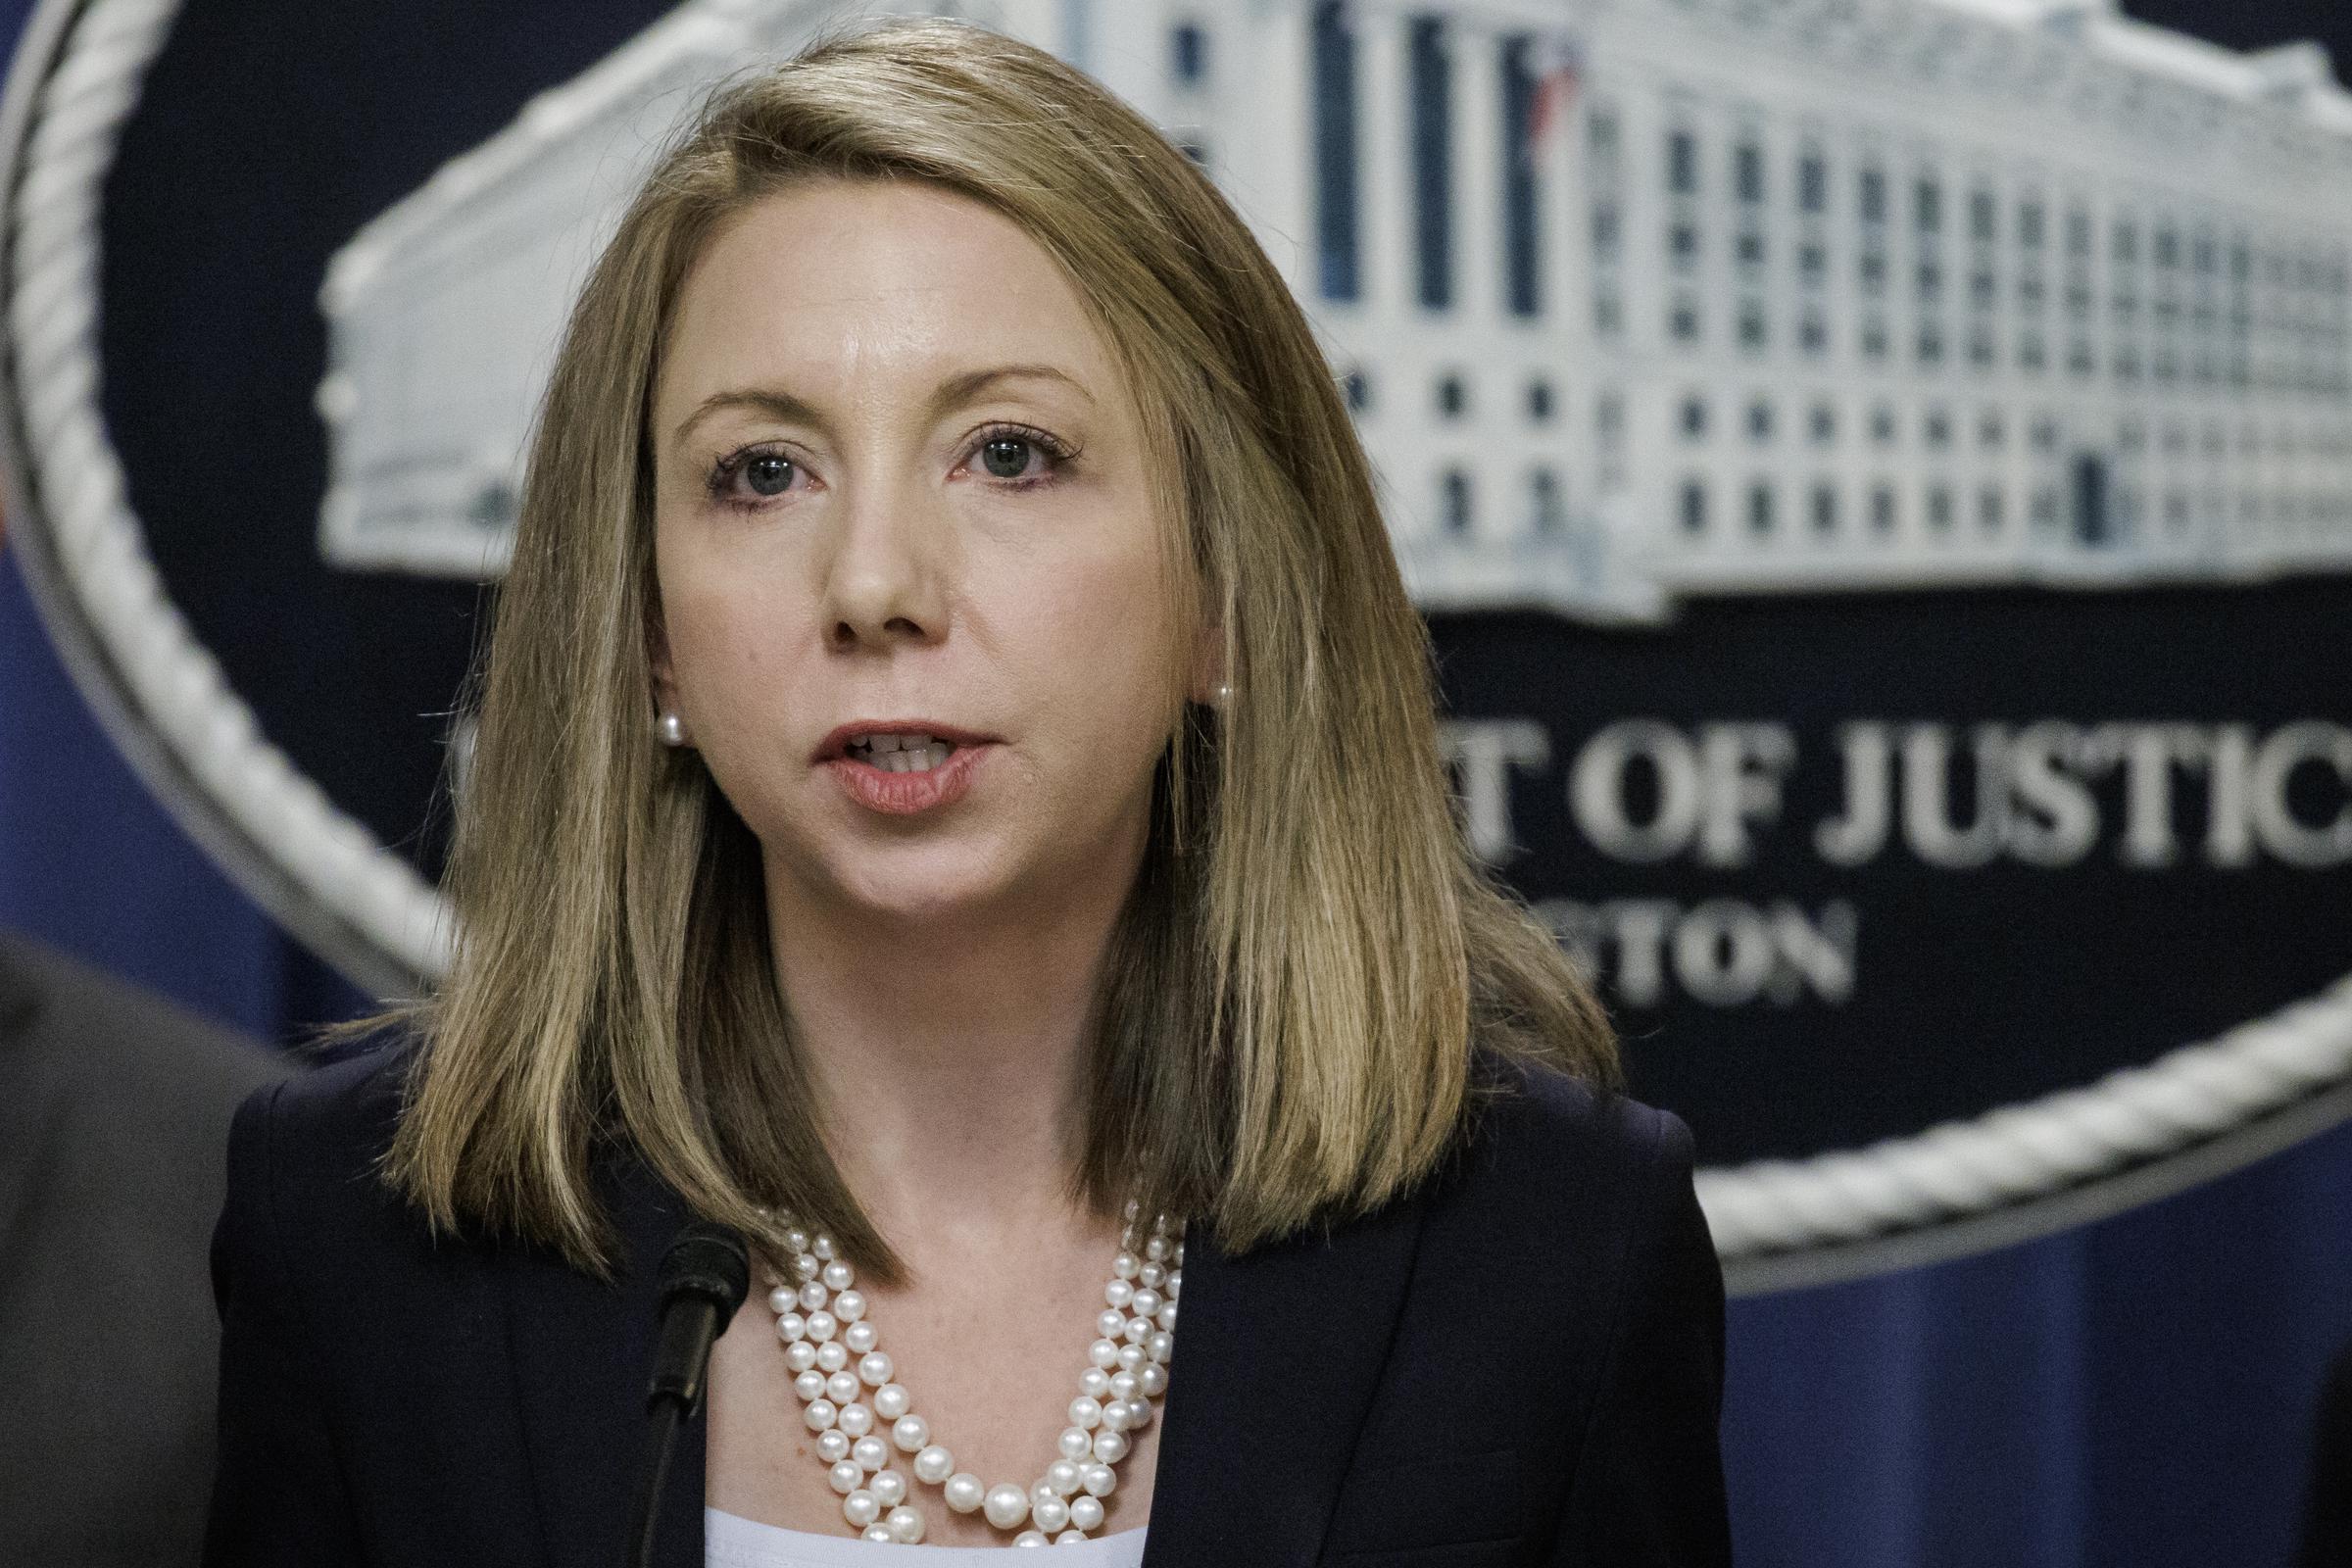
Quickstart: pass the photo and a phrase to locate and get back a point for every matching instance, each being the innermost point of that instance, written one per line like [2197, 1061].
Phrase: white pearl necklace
[844, 1384]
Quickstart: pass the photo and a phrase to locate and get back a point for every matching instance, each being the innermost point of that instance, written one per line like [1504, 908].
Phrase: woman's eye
[766, 473]
[745, 479]
[1006, 456]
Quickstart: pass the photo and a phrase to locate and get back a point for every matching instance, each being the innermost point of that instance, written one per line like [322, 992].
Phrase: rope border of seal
[1770, 1213]
[161, 674]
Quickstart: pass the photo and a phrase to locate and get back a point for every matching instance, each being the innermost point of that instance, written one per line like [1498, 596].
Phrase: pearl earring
[670, 728]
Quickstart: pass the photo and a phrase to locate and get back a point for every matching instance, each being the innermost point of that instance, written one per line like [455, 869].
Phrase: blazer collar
[1279, 1352]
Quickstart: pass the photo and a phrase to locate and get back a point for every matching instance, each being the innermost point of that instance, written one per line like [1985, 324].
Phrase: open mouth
[899, 754]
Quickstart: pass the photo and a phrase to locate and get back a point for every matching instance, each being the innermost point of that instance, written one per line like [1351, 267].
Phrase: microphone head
[711, 1261]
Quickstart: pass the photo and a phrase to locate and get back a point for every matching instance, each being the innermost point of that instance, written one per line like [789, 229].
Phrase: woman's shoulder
[1530, 1118]
[305, 1154]
[1561, 1175]
[330, 1117]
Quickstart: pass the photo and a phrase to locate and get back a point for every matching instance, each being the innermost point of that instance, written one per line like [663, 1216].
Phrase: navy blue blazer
[1519, 1363]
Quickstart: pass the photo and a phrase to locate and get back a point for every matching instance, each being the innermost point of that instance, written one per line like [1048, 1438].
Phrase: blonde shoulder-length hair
[1296, 983]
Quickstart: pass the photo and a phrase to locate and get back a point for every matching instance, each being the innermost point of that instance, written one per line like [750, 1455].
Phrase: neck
[948, 1055]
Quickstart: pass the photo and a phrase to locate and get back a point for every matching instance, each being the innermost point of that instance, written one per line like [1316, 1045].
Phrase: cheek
[731, 637]
[1100, 638]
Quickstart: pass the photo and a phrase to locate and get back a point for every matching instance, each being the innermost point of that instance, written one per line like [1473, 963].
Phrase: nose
[886, 576]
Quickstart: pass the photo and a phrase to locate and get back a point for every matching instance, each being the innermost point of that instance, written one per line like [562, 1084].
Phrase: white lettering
[2275, 820]
[1596, 790]
[1484, 753]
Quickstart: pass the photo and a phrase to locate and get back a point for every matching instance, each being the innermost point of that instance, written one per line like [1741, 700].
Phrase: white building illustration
[1634, 299]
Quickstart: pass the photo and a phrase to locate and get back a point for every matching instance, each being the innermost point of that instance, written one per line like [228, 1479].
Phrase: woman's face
[913, 602]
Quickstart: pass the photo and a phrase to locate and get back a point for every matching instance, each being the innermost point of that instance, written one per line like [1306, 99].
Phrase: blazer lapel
[1277, 1354]
[581, 1354]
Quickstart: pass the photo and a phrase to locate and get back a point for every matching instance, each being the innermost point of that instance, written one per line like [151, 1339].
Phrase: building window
[1608, 231]
[1759, 508]
[1990, 509]
[1824, 423]
[1813, 332]
[1874, 339]
[1522, 216]
[1813, 262]
[1752, 332]
[1544, 491]
[1682, 163]
[1608, 314]
[1747, 165]
[1981, 222]
[1684, 323]
[1456, 500]
[1927, 205]
[1813, 184]
[1432, 93]
[1682, 240]
[1938, 429]
[1939, 509]
[1873, 195]
[1759, 421]
[1881, 424]
[1824, 508]
[1539, 399]
[1695, 418]
[1453, 396]
[1992, 431]
[1334, 82]
[2030, 226]
[1359, 391]
[1694, 507]
[1187, 53]
[1881, 509]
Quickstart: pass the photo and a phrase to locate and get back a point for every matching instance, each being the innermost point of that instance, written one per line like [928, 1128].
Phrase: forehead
[862, 281]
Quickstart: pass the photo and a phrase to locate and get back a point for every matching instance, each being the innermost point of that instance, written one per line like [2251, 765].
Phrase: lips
[867, 740]
[900, 768]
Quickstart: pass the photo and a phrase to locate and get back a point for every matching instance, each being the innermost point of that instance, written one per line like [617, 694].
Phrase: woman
[956, 798]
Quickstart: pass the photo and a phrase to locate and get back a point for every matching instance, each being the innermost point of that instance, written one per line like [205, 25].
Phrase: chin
[916, 882]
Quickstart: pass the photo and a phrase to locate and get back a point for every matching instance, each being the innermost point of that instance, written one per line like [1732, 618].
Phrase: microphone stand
[704, 1277]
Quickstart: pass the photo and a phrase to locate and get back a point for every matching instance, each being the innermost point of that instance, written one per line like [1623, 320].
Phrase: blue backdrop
[2136, 1393]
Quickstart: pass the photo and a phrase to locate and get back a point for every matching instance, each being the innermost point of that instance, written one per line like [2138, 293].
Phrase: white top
[732, 1542]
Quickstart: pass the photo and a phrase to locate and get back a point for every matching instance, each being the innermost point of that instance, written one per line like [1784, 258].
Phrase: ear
[656, 652]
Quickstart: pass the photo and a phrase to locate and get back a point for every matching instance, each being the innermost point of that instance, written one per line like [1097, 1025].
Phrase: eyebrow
[957, 390]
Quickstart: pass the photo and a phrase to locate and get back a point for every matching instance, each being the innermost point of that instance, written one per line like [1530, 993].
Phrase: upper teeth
[901, 753]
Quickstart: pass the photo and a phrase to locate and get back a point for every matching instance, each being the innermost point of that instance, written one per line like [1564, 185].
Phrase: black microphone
[704, 1277]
